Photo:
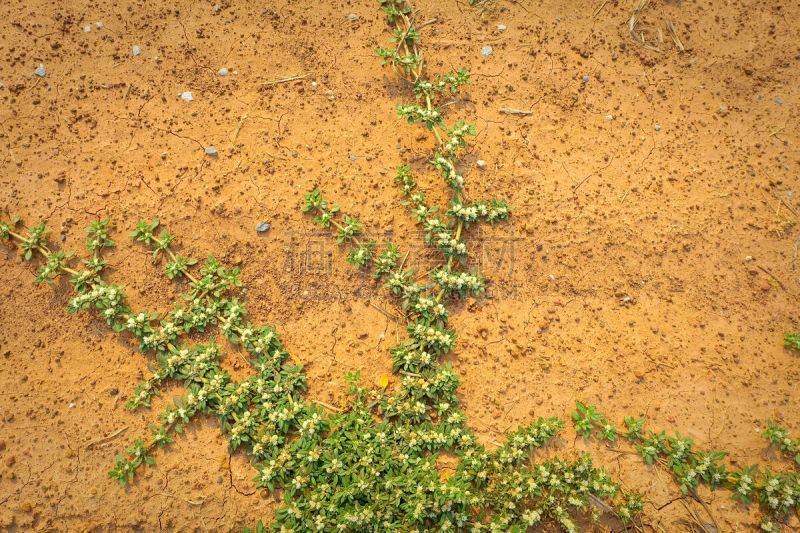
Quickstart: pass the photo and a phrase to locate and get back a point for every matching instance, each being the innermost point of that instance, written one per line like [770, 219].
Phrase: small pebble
[40, 71]
[87, 29]
[723, 108]
[136, 50]
[501, 27]
[586, 78]
[26, 507]
[210, 150]
[486, 50]
[187, 96]
[778, 101]
[759, 97]
[223, 71]
[657, 127]
[262, 227]
[98, 24]
[63, 238]
[609, 117]
[72, 405]
[1, 85]
[352, 16]
[481, 164]
[353, 158]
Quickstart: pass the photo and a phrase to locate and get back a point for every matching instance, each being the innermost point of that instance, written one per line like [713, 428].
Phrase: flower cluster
[461, 282]
[779, 437]
[441, 83]
[457, 136]
[451, 176]
[414, 113]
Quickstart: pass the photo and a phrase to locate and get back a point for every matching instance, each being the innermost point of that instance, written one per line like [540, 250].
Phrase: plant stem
[174, 259]
[42, 250]
[406, 28]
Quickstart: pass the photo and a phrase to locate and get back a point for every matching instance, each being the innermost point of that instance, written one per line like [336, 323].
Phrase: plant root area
[650, 266]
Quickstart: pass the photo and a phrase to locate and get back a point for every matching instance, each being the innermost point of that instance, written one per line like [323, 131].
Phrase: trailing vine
[375, 463]
[778, 494]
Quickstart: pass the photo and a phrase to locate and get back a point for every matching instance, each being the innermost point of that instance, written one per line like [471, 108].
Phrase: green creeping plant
[371, 463]
[792, 340]
[777, 494]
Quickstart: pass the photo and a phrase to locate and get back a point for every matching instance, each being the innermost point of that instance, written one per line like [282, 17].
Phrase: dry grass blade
[239, 127]
[510, 111]
[104, 439]
[599, 9]
[284, 80]
[702, 524]
[674, 35]
[635, 21]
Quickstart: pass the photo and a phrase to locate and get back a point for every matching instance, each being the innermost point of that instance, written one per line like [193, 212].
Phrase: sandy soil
[622, 279]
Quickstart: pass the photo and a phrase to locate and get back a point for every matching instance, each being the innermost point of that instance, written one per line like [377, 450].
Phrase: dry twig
[283, 80]
[510, 111]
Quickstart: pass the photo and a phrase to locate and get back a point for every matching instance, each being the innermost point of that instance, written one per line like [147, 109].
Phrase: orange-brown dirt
[622, 279]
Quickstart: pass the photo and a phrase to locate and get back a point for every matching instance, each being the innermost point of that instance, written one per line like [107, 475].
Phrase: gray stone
[87, 29]
[210, 150]
[486, 50]
[223, 71]
[353, 158]
[778, 100]
[586, 78]
[98, 24]
[501, 27]
[261, 227]
[136, 50]
[187, 96]
[40, 71]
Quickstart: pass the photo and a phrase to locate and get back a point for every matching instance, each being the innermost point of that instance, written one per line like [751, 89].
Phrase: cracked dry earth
[621, 280]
